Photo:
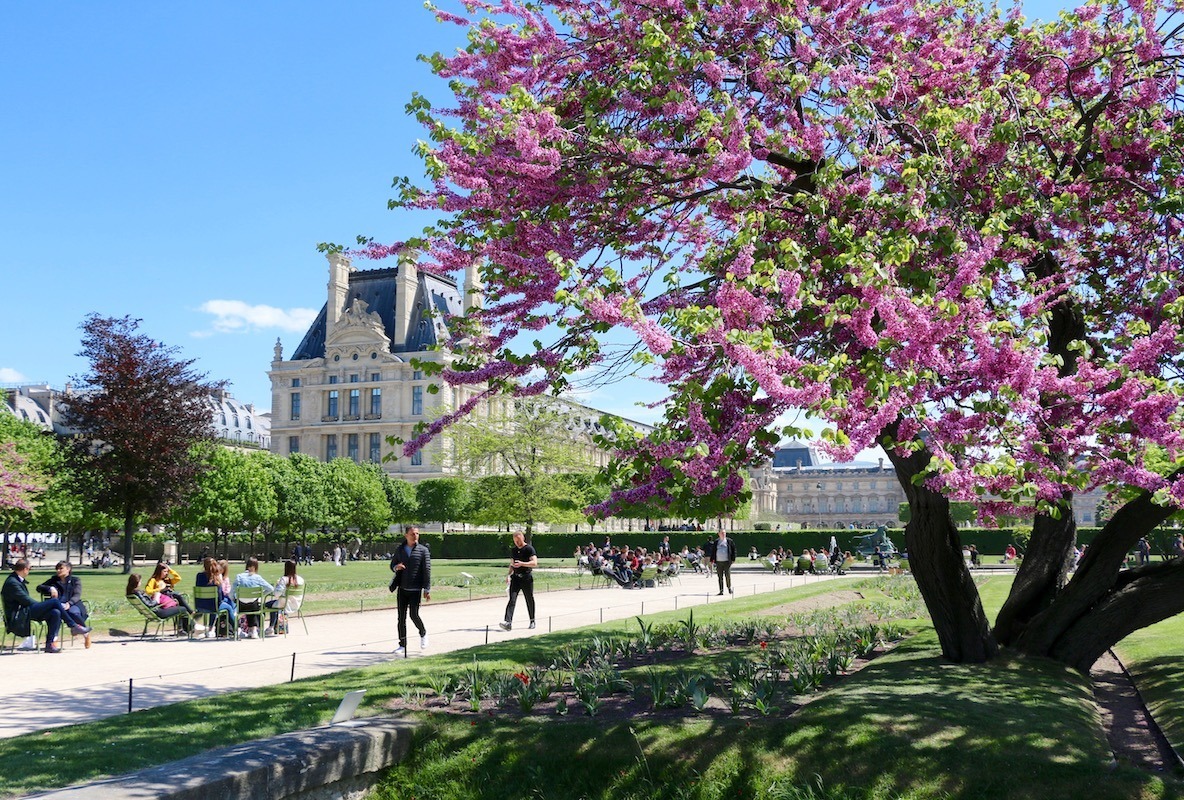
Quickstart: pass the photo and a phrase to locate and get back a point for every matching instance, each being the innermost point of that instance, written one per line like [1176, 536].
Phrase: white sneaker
[211, 634]
[253, 633]
[198, 628]
[505, 626]
[269, 631]
[400, 651]
[28, 644]
[423, 642]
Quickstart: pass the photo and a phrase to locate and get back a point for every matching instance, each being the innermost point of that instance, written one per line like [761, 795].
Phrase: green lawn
[909, 725]
[1154, 657]
[330, 588]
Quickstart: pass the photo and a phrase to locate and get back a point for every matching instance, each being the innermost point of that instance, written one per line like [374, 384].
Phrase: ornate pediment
[359, 332]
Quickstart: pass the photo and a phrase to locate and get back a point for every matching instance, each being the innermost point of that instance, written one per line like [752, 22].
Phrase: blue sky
[179, 163]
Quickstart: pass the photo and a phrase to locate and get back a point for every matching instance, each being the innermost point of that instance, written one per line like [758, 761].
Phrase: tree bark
[1042, 573]
[1146, 595]
[935, 559]
[1099, 575]
[129, 527]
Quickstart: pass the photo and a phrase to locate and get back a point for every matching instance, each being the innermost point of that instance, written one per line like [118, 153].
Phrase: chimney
[881, 463]
[339, 270]
[406, 288]
[474, 288]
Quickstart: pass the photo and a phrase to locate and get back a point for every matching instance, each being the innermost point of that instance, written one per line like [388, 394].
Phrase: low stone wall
[319, 764]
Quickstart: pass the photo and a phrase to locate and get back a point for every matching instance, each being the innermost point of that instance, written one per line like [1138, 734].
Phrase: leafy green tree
[234, 494]
[442, 499]
[357, 500]
[531, 441]
[26, 457]
[301, 493]
[400, 496]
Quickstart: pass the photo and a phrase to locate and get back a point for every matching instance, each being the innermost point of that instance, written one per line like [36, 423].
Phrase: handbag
[19, 623]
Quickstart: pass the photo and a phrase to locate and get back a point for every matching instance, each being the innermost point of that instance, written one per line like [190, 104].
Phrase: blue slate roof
[377, 287]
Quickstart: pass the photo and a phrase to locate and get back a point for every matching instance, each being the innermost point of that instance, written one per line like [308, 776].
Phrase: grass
[331, 589]
[1153, 657]
[909, 726]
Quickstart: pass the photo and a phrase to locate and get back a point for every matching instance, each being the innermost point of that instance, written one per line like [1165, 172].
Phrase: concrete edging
[319, 762]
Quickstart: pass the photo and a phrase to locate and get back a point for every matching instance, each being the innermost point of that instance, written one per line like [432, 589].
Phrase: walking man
[723, 553]
[523, 560]
[412, 565]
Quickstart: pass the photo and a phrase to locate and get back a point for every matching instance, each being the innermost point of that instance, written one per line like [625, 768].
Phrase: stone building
[800, 487]
[235, 423]
[351, 383]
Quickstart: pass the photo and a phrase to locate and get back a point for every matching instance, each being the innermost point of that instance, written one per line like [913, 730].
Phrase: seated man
[251, 578]
[68, 589]
[15, 596]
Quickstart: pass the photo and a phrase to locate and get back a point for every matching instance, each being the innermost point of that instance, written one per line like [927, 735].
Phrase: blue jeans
[49, 612]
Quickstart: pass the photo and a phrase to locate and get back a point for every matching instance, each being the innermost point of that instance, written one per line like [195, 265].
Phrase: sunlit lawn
[910, 725]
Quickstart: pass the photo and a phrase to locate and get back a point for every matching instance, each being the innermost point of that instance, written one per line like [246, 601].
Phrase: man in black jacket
[16, 595]
[722, 553]
[412, 565]
[68, 589]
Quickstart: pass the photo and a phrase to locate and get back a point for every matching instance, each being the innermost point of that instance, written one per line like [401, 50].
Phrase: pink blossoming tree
[935, 226]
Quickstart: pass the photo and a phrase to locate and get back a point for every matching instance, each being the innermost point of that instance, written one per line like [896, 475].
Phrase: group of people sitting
[63, 605]
[625, 565]
[160, 594]
[809, 561]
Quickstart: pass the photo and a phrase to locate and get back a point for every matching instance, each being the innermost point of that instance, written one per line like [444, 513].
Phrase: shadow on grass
[909, 725]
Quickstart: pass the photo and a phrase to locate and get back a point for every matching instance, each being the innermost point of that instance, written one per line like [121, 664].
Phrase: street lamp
[818, 486]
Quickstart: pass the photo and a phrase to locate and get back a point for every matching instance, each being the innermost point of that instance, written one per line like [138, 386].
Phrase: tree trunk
[1145, 596]
[1081, 618]
[935, 559]
[1042, 573]
[129, 526]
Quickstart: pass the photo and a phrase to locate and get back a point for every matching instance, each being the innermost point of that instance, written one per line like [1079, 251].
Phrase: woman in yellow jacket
[164, 579]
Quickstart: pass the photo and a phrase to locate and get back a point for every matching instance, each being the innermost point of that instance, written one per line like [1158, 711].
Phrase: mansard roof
[377, 288]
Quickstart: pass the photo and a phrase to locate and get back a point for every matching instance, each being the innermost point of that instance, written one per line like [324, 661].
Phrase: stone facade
[235, 423]
[798, 488]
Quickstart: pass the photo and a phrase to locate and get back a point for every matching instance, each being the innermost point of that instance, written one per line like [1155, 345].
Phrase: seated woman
[211, 575]
[68, 589]
[292, 605]
[162, 605]
[163, 582]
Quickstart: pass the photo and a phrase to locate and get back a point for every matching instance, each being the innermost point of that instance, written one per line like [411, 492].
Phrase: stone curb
[320, 762]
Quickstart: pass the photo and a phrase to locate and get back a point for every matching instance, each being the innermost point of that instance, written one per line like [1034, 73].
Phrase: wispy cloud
[235, 316]
[10, 375]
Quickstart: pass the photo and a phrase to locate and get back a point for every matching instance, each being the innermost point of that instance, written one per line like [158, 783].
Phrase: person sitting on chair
[68, 589]
[163, 582]
[15, 596]
[211, 575]
[162, 605]
[251, 579]
[292, 604]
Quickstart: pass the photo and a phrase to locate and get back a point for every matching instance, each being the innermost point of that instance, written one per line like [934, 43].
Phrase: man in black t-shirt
[523, 560]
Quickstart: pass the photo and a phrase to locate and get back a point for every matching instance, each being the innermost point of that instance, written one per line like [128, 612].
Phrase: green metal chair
[148, 614]
[252, 594]
[37, 629]
[210, 593]
[293, 592]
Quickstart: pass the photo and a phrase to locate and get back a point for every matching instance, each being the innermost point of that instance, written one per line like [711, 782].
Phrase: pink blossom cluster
[924, 217]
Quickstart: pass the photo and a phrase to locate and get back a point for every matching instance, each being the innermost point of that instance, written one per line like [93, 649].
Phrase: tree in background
[934, 226]
[141, 414]
[235, 493]
[531, 441]
[442, 499]
[302, 503]
[356, 499]
[26, 456]
[400, 496]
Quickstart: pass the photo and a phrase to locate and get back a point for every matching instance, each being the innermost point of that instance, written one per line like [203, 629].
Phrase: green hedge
[989, 541]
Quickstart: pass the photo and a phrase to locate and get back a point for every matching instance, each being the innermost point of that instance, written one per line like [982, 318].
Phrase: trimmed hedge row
[989, 541]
